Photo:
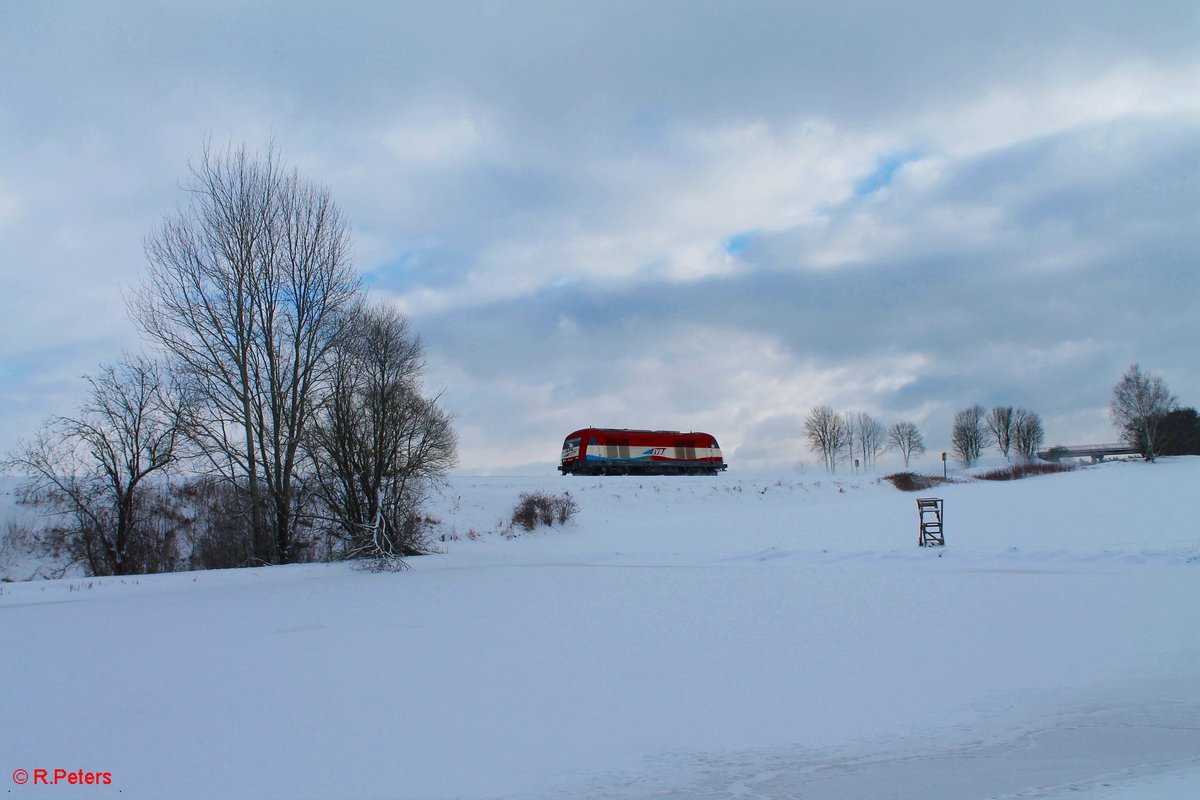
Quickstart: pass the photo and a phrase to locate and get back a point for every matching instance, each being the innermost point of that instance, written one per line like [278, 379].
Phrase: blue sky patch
[885, 169]
[429, 264]
[737, 243]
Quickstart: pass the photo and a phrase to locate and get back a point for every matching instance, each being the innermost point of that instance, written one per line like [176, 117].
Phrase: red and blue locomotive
[620, 451]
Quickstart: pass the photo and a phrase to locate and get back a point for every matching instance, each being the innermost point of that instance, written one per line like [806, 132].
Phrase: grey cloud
[1032, 274]
[567, 65]
[995, 326]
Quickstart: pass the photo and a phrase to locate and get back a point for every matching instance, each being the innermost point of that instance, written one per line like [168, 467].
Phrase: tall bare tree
[870, 438]
[1000, 424]
[92, 469]
[906, 437]
[1140, 402]
[826, 433]
[1028, 434]
[377, 443]
[849, 436]
[968, 436]
[248, 289]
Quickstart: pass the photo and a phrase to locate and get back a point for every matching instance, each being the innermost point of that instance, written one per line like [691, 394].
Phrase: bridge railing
[1093, 451]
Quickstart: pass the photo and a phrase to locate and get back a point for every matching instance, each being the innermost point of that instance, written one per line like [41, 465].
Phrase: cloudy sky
[690, 215]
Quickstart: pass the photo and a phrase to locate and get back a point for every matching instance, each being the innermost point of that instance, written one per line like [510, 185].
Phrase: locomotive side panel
[606, 451]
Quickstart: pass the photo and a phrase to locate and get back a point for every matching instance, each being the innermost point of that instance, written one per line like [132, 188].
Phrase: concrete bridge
[1096, 452]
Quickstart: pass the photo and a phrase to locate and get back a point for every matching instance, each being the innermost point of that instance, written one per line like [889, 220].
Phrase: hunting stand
[930, 509]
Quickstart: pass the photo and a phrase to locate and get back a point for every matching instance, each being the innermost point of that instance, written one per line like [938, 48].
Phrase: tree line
[857, 437]
[1014, 432]
[291, 408]
[1143, 409]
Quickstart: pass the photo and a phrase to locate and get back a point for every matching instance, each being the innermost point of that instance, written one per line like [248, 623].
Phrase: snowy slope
[683, 637]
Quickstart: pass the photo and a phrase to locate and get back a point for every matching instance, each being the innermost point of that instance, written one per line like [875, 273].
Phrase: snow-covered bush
[543, 508]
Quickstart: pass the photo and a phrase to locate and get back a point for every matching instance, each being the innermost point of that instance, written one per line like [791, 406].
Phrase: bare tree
[1028, 435]
[968, 436]
[248, 289]
[1000, 425]
[1139, 404]
[377, 443]
[826, 433]
[870, 438]
[93, 469]
[906, 437]
[849, 437]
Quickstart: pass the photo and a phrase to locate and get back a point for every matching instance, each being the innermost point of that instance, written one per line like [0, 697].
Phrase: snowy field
[718, 637]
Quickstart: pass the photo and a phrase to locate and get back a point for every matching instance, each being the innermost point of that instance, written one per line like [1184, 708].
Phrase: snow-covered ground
[683, 637]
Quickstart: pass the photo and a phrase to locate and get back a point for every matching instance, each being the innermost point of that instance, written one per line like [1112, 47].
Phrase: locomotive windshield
[571, 448]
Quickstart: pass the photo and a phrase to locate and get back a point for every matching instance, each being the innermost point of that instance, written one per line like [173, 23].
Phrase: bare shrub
[380, 562]
[529, 510]
[380, 559]
[18, 542]
[565, 508]
[18, 538]
[1018, 471]
[73, 539]
[220, 530]
[914, 482]
[542, 508]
